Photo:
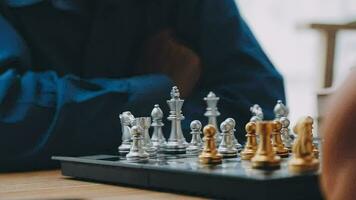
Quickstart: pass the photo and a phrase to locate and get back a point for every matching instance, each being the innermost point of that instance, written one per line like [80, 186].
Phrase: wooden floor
[51, 185]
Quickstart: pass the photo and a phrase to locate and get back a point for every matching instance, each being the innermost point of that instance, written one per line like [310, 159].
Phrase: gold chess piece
[209, 154]
[303, 159]
[265, 157]
[277, 141]
[251, 143]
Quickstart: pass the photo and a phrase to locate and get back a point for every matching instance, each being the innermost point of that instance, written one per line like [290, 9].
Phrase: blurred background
[284, 30]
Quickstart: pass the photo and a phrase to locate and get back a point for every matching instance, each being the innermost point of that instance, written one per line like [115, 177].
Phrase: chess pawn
[251, 143]
[280, 110]
[235, 141]
[137, 152]
[277, 142]
[145, 123]
[157, 138]
[287, 137]
[265, 157]
[176, 143]
[227, 148]
[126, 118]
[209, 154]
[212, 113]
[196, 143]
[303, 158]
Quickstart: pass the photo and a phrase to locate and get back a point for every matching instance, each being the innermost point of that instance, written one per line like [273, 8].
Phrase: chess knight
[303, 159]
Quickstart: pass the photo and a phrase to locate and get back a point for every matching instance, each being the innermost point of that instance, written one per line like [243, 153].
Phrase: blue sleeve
[234, 65]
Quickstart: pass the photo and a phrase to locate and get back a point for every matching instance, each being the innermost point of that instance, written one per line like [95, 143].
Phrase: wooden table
[51, 185]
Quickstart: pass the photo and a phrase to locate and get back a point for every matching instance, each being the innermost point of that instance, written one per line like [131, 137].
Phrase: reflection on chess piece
[303, 159]
[126, 118]
[196, 143]
[157, 138]
[251, 143]
[210, 154]
[145, 123]
[212, 113]
[287, 137]
[232, 122]
[265, 157]
[137, 152]
[257, 113]
[176, 143]
[277, 142]
[227, 147]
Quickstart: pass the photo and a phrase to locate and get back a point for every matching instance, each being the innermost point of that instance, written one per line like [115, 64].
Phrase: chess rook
[232, 122]
[126, 118]
[195, 145]
[157, 138]
[137, 152]
[227, 147]
[277, 142]
[265, 157]
[176, 143]
[209, 154]
[145, 123]
[251, 142]
[212, 113]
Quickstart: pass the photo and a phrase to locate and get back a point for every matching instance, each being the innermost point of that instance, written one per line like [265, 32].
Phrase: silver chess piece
[126, 119]
[157, 138]
[195, 145]
[286, 134]
[280, 110]
[137, 152]
[145, 123]
[232, 122]
[227, 148]
[212, 113]
[176, 143]
[257, 113]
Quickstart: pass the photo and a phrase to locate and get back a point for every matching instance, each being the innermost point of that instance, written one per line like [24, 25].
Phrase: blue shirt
[67, 69]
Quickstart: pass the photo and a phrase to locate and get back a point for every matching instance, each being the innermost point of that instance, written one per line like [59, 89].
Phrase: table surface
[51, 185]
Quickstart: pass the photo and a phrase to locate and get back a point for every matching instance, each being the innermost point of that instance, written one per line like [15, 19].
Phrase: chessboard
[233, 179]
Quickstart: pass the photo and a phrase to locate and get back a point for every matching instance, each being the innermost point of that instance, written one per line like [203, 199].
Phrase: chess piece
[157, 138]
[176, 143]
[145, 123]
[137, 152]
[196, 143]
[234, 139]
[280, 110]
[265, 157]
[310, 129]
[227, 147]
[126, 118]
[251, 143]
[209, 154]
[257, 113]
[212, 113]
[277, 142]
[287, 136]
[303, 159]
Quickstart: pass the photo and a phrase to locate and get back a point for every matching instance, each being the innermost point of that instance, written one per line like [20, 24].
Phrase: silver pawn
[257, 113]
[232, 122]
[126, 118]
[176, 143]
[227, 148]
[137, 152]
[212, 113]
[157, 138]
[196, 143]
[280, 110]
[145, 123]
[287, 136]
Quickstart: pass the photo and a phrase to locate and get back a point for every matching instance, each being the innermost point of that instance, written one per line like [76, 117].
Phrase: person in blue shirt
[69, 67]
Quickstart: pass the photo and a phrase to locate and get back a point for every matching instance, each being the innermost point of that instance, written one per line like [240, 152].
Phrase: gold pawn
[209, 154]
[265, 157]
[251, 143]
[277, 142]
[303, 159]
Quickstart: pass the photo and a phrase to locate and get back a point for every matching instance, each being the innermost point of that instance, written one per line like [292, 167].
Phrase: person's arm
[339, 150]
[233, 64]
